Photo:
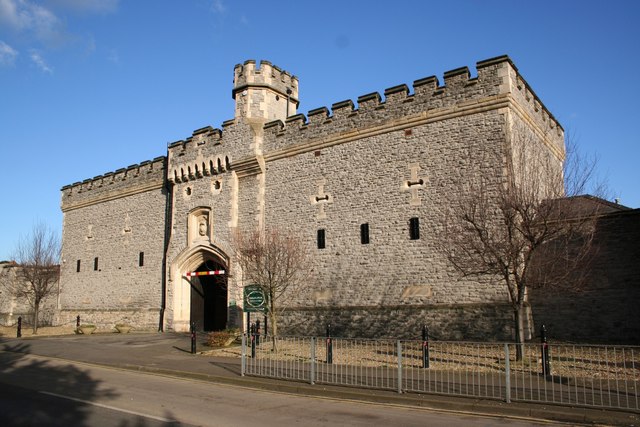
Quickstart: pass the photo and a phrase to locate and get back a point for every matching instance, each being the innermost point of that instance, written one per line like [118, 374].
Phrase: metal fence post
[257, 332]
[266, 326]
[399, 367]
[425, 347]
[313, 361]
[507, 375]
[243, 363]
[253, 341]
[546, 366]
[329, 346]
[193, 338]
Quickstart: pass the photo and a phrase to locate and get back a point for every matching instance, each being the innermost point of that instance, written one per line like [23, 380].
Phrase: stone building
[363, 187]
[14, 306]
[604, 309]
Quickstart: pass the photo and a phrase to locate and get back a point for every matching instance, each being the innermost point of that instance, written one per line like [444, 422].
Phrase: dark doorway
[209, 299]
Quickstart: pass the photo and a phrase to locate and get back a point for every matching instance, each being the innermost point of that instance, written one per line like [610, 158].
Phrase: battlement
[264, 74]
[497, 83]
[140, 176]
[186, 164]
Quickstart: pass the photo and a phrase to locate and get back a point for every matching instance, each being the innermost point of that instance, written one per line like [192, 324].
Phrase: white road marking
[113, 408]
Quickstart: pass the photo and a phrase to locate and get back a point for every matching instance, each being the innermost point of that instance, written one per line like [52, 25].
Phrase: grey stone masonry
[113, 247]
[376, 178]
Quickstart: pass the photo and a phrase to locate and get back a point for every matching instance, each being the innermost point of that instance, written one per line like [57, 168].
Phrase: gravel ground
[43, 331]
[572, 361]
[589, 363]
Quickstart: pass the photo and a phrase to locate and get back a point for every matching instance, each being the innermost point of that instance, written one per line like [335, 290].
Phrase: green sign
[254, 299]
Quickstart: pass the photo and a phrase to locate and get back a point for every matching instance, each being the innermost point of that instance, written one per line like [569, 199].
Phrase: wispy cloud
[42, 20]
[39, 61]
[113, 56]
[87, 6]
[7, 54]
[29, 17]
[218, 6]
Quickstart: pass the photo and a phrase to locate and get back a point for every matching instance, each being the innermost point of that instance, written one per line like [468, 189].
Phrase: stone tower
[263, 93]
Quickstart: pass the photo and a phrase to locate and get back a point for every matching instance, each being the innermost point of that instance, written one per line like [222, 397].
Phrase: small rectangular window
[141, 259]
[414, 228]
[321, 239]
[364, 234]
[95, 264]
[78, 266]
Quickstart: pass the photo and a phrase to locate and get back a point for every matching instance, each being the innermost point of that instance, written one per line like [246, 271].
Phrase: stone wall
[113, 247]
[12, 306]
[381, 164]
[605, 309]
[445, 322]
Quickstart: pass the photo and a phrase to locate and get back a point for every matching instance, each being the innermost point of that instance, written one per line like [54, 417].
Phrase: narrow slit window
[78, 266]
[141, 259]
[414, 228]
[95, 264]
[364, 234]
[321, 238]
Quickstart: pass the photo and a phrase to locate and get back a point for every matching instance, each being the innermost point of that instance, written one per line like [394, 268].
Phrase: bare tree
[275, 261]
[523, 228]
[38, 270]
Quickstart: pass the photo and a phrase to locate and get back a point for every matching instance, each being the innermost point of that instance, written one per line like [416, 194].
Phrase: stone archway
[202, 299]
[209, 298]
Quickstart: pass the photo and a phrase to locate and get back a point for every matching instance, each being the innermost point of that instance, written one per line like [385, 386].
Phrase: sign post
[255, 299]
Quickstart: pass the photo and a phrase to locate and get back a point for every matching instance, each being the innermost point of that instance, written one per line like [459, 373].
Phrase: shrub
[222, 338]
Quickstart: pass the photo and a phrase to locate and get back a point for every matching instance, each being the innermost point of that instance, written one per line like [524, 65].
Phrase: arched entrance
[209, 298]
[198, 297]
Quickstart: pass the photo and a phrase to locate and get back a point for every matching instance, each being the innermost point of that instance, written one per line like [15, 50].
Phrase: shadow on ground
[31, 391]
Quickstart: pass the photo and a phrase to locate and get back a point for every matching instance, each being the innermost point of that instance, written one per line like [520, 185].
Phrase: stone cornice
[495, 102]
[247, 166]
[112, 195]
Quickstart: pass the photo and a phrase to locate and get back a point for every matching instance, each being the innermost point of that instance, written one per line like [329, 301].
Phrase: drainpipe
[167, 234]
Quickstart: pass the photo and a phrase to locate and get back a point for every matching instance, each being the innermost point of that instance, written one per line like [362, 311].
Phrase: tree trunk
[36, 309]
[519, 328]
[274, 331]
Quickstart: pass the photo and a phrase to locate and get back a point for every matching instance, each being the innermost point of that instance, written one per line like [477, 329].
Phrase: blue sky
[90, 86]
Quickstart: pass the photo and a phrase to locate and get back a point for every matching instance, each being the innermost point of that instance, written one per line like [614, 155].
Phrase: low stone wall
[140, 320]
[451, 322]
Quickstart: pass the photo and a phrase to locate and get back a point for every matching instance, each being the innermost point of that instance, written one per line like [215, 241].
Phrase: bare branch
[275, 261]
[37, 274]
[521, 227]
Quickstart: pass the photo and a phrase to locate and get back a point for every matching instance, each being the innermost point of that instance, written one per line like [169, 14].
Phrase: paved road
[36, 390]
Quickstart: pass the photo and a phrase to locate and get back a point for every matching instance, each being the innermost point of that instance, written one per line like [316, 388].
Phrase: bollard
[78, 323]
[546, 366]
[193, 337]
[253, 341]
[19, 327]
[425, 347]
[266, 332]
[329, 346]
[257, 332]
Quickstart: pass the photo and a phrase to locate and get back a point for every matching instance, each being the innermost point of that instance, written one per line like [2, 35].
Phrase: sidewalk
[169, 354]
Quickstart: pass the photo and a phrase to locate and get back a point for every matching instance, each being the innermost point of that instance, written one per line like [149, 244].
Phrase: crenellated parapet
[497, 85]
[144, 176]
[200, 155]
[264, 74]
[263, 92]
